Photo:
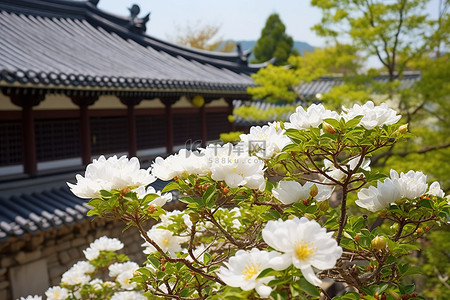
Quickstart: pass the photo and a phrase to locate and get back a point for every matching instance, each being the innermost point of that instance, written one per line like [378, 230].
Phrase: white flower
[243, 268]
[165, 239]
[378, 198]
[413, 184]
[117, 268]
[124, 280]
[338, 174]
[91, 253]
[235, 167]
[313, 116]
[31, 298]
[97, 284]
[102, 244]
[324, 192]
[291, 191]
[265, 141]
[74, 277]
[57, 293]
[305, 245]
[181, 164]
[78, 273]
[109, 174]
[373, 116]
[160, 201]
[129, 295]
[435, 190]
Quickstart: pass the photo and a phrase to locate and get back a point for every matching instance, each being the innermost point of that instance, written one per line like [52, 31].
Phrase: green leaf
[308, 287]
[333, 122]
[105, 194]
[409, 288]
[93, 212]
[268, 272]
[94, 202]
[210, 196]
[353, 122]
[170, 187]
[149, 197]
[426, 203]
[154, 261]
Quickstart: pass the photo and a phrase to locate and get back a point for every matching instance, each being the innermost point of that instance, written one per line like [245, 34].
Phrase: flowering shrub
[258, 221]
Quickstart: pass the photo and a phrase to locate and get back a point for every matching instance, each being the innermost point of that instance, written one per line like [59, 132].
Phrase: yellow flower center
[303, 250]
[251, 270]
[165, 241]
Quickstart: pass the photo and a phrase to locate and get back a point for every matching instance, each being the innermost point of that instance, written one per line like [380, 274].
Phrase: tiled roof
[74, 45]
[324, 84]
[262, 105]
[42, 210]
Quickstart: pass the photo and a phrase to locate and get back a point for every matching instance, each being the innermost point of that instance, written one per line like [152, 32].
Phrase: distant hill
[300, 46]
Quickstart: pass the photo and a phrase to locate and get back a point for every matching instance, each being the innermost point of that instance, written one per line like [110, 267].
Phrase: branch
[390, 153]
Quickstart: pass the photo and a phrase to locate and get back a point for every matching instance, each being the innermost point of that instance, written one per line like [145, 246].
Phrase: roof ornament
[243, 56]
[137, 25]
[94, 2]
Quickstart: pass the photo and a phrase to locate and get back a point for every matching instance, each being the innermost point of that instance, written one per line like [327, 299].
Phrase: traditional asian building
[77, 82]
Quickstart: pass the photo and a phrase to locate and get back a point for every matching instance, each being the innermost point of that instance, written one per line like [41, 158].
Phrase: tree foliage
[279, 84]
[203, 37]
[274, 42]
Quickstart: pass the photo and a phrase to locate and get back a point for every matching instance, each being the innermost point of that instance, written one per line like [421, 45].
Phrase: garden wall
[31, 264]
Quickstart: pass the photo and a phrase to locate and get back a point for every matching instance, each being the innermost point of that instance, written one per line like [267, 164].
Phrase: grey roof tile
[72, 43]
[43, 210]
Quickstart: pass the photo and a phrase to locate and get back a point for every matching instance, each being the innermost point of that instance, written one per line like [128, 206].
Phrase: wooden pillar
[204, 133]
[85, 127]
[168, 101]
[204, 124]
[169, 128]
[131, 102]
[27, 101]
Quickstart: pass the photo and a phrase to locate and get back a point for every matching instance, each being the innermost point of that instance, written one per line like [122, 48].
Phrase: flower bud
[402, 129]
[152, 209]
[328, 128]
[136, 273]
[378, 243]
[309, 216]
[125, 191]
[314, 191]
[226, 190]
[194, 218]
[394, 294]
[323, 205]
[290, 217]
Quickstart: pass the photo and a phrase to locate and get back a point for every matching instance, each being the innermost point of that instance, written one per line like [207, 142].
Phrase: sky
[237, 19]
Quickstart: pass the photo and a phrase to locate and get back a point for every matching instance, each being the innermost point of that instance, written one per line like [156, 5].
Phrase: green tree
[274, 42]
[279, 83]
